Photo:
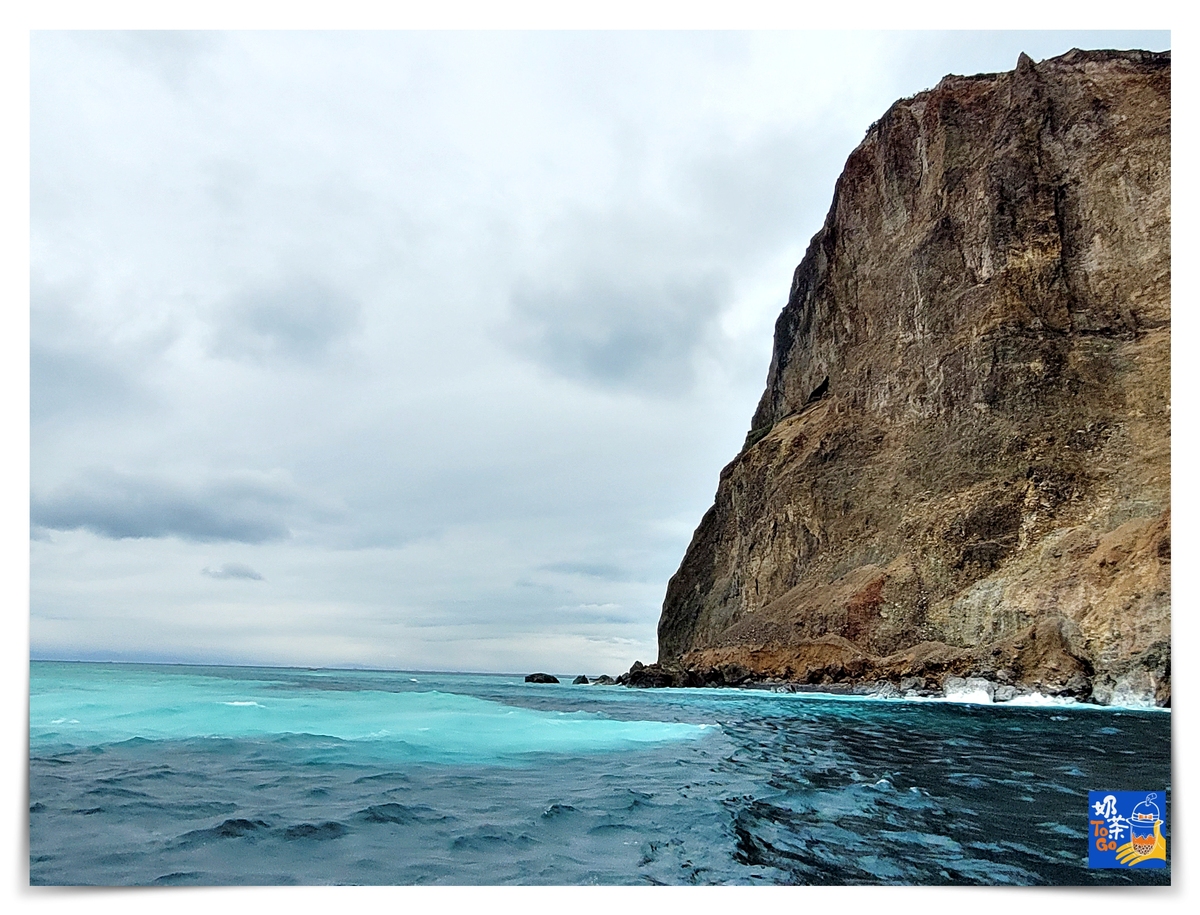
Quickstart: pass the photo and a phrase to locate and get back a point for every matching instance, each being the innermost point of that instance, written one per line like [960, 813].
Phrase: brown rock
[961, 461]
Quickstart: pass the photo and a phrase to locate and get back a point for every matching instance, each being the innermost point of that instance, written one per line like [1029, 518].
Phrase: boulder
[882, 689]
[648, 676]
[1004, 694]
[541, 678]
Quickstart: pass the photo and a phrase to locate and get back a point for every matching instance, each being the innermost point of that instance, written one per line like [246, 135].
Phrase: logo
[1127, 829]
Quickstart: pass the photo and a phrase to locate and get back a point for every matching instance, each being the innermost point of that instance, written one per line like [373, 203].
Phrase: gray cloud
[299, 320]
[76, 382]
[600, 570]
[232, 570]
[628, 294]
[617, 333]
[245, 508]
[77, 370]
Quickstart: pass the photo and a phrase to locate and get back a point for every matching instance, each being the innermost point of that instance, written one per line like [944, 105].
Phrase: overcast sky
[416, 350]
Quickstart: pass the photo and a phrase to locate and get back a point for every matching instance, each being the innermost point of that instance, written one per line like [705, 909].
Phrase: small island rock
[541, 678]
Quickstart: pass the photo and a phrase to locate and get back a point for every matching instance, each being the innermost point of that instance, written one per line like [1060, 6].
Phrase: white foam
[1131, 699]
[1038, 700]
[254, 704]
[974, 696]
[1117, 706]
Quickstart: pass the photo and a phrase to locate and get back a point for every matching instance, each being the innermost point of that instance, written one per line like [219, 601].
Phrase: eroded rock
[960, 466]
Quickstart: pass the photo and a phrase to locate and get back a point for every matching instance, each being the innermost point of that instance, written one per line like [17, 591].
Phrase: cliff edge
[960, 465]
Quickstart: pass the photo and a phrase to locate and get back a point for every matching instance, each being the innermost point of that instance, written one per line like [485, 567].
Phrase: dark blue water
[188, 775]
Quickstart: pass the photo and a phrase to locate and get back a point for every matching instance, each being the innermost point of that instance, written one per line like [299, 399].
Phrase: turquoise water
[143, 774]
[103, 704]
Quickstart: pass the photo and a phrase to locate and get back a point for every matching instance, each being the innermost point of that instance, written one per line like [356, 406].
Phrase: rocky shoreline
[996, 691]
[983, 689]
[966, 688]
[998, 688]
[1047, 658]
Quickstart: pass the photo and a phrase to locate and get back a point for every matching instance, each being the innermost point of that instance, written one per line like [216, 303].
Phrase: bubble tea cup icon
[1141, 823]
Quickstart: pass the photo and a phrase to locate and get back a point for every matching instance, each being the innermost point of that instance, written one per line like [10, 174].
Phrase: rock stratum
[960, 466]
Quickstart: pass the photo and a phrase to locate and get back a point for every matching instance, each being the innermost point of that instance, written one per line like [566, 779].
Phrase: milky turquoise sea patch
[111, 703]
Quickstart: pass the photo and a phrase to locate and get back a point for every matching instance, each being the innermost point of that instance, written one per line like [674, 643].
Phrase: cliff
[960, 465]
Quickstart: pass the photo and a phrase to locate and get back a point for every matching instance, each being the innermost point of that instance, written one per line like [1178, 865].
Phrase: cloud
[232, 570]
[617, 333]
[600, 570]
[62, 382]
[80, 365]
[300, 320]
[242, 507]
[173, 56]
[627, 293]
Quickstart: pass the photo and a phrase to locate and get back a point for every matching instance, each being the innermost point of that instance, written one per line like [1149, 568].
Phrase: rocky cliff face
[961, 462]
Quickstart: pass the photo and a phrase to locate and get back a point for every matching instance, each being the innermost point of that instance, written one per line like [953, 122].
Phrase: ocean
[167, 774]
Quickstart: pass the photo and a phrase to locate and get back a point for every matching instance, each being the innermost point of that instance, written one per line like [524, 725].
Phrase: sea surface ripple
[144, 774]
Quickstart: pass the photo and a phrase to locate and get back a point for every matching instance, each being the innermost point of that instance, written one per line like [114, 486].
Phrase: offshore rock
[960, 466]
[540, 678]
[650, 675]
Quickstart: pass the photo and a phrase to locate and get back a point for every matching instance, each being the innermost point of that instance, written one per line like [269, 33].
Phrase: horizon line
[483, 673]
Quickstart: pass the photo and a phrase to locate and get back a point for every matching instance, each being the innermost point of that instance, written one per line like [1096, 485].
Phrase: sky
[416, 350]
